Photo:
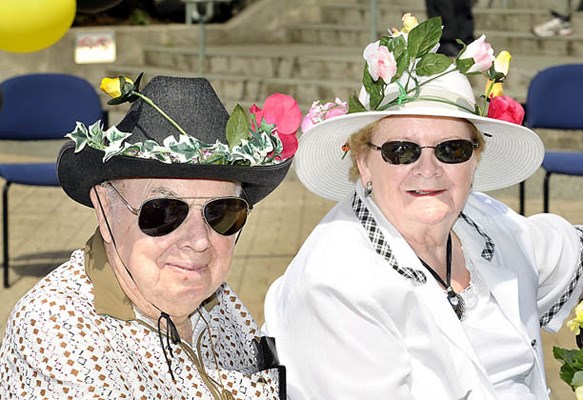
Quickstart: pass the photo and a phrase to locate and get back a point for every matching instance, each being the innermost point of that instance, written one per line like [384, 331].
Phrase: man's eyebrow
[163, 191]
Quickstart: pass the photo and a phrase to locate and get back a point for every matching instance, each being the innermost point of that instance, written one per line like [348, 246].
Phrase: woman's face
[427, 191]
[179, 270]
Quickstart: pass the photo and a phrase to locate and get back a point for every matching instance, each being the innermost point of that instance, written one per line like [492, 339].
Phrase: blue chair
[554, 102]
[40, 107]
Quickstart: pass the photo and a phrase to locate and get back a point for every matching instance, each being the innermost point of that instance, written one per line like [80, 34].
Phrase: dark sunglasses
[162, 215]
[449, 152]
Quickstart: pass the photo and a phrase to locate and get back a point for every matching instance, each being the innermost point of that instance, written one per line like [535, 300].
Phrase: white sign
[95, 47]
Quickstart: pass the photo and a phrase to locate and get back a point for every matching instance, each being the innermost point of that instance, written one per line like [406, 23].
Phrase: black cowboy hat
[194, 105]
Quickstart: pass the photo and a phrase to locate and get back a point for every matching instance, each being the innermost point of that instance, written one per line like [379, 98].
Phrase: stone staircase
[322, 59]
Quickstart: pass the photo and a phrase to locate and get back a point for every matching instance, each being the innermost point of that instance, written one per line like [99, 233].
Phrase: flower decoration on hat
[407, 59]
[319, 112]
[260, 137]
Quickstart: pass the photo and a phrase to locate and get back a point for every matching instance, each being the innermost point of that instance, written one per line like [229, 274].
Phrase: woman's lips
[425, 193]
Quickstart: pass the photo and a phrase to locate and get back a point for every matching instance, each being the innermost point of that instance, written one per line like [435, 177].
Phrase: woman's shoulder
[488, 211]
[339, 227]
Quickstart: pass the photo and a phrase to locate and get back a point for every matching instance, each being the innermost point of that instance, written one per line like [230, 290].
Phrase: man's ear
[100, 201]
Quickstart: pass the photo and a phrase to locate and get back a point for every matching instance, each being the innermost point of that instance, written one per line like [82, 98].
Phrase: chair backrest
[554, 98]
[46, 106]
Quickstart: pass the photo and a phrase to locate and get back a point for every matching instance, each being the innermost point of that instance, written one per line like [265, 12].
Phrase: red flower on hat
[282, 111]
[505, 108]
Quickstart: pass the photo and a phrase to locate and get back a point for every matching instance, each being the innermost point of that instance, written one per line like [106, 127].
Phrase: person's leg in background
[560, 23]
[458, 21]
[465, 20]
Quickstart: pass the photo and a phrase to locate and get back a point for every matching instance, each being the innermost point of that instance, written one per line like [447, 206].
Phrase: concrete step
[233, 88]
[515, 42]
[268, 61]
[494, 4]
[519, 20]
[299, 63]
[525, 43]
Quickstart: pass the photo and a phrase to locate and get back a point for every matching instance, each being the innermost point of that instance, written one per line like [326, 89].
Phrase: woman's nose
[428, 165]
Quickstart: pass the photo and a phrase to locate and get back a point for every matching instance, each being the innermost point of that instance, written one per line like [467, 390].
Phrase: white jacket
[349, 326]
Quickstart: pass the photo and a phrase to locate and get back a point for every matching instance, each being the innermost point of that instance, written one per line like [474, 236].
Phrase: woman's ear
[363, 168]
[100, 201]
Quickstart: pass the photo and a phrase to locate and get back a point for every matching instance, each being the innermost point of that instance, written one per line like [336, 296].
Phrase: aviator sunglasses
[449, 152]
[161, 215]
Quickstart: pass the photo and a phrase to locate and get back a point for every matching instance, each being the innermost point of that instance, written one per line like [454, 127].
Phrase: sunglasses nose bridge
[195, 230]
[427, 162]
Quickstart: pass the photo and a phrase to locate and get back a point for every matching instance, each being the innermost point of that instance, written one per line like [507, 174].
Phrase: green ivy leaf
[424, 37]
[237, 126]
[114, 135]
[354, 105]
[432, 64]
[79, 136]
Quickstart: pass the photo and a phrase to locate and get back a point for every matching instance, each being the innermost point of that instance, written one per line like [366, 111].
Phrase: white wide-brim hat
[513, 152]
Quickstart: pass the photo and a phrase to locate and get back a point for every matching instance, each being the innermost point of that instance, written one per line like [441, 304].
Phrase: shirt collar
[109, 298]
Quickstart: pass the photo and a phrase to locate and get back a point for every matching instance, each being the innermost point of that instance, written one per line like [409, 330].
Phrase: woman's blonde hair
[358, 144]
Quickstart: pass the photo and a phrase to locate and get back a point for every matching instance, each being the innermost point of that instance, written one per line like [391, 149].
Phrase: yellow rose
[409, 22]
[112, 86]
[576, 323]
[502, 62]
[494, 90]
[579, 392]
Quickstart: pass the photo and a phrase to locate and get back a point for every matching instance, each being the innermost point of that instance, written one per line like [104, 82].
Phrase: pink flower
[505, 108]
[282, 111]
[319, 113]
[381, 62]
[482, 54]
[290, 145]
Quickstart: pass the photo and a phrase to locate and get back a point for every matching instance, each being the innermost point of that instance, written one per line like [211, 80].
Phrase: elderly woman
[415, 285]
[143, 311]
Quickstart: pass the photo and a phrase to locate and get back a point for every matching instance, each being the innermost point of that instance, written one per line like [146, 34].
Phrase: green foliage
[354, 105]
[237, 126]
[139, 17]
[413, 57]
[376, 89]
[432, 64]
[424, 37]
[572, 368]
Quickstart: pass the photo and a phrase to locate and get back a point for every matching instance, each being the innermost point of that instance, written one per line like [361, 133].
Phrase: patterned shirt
[76, 335]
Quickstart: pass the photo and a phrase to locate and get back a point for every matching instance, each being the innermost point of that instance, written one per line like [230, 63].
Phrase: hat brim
[77, 179]
[513, 152]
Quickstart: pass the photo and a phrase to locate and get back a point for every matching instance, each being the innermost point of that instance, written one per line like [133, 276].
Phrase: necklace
[455, 300]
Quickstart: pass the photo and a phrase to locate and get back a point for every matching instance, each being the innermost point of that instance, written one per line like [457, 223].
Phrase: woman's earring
[368, 189]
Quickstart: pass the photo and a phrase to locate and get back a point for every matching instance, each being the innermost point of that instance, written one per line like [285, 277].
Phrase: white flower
[482, 54]
[381, 62]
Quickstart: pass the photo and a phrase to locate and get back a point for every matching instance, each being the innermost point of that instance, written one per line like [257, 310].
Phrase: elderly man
[143, 311]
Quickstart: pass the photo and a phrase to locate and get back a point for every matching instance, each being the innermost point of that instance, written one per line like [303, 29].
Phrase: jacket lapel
[502, 282]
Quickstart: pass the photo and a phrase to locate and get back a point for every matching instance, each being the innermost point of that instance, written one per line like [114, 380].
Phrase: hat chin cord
[172, 335]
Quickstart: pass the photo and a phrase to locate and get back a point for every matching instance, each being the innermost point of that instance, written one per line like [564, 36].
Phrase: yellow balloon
[32, 25]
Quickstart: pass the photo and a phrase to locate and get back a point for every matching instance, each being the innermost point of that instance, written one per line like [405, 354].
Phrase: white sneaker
[553, 27]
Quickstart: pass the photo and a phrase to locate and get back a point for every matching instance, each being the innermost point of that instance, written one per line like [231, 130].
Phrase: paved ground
[47, 226]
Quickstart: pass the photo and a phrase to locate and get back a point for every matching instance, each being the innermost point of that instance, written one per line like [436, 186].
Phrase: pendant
[457, 303]
[226, 395]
